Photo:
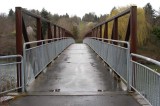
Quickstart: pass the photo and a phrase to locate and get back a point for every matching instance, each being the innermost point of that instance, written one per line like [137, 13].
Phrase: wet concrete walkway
[76, 75]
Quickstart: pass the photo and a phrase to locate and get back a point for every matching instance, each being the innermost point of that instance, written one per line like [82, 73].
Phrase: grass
[154, 67]
[8, 77]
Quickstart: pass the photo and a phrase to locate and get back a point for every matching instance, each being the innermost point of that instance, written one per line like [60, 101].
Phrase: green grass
[154, 67]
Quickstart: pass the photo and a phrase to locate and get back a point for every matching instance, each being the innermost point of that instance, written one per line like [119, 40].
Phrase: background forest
[148, 28]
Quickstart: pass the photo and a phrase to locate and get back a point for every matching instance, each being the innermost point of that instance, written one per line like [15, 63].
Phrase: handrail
[10, 56]
[146, 58]
[8, 70]
[45, 40]
[22, 35]
[118, 41]
[39, 17]
[131, 30]
[140, 77]
[42, 55]
[116, 16]
[106, 53]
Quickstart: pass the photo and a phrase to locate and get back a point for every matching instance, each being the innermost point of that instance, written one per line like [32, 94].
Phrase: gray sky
[74, 7]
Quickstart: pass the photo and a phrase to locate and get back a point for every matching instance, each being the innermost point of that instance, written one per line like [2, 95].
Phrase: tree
[65, 23]
[157, 19]
[11, 13]
[156, 31]
[45, 14]
[90, 17]
[149, 13]
[75, 31]
[55, 18]
[75, 19]
[103, 17]
[143, 28]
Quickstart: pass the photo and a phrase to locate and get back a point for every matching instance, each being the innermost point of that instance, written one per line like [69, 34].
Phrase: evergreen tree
[90, 17]
[44, 14]
[149, 13]
[11, 13]
[75, 32]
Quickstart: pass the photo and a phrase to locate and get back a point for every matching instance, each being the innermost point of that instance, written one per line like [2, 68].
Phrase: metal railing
[136, 75]
[116, 56]
[37, 58]
[8, 73]
[145, 80]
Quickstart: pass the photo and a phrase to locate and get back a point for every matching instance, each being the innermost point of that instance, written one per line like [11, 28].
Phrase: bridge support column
[19, 45]
[49, 31]
[39, 31]
[100, 28]
[106, 31]
[55, 31]
[133, 28]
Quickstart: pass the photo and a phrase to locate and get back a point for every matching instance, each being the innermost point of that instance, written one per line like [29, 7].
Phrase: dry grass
[151, 49]
[7, 45]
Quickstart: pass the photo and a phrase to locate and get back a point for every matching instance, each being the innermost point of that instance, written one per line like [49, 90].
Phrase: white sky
[74, 7]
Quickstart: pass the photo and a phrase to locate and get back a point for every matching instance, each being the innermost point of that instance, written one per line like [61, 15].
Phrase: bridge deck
[77, 74]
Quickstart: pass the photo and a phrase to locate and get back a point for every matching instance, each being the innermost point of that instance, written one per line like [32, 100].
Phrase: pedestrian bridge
[98, 72]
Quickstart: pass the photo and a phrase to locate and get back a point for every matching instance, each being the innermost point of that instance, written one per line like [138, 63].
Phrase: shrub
[156, 32]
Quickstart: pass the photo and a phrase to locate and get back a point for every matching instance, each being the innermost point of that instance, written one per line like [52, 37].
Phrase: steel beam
[115, 29]
[19, 44]
[55, 31]
[133, 29]
[100, 29]
[49, 31]
[106, 30]
[39, 32]
[25, 34]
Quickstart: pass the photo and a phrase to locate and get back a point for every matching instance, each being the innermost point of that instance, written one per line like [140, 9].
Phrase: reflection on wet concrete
[77, 69]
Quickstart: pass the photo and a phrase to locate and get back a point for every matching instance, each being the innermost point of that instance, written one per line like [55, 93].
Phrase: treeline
[153, 18]
[74, 23]
[148, 25]
[79, 26]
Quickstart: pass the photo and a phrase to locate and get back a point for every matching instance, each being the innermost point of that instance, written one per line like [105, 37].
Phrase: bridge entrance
[55, 71]
[77, 77]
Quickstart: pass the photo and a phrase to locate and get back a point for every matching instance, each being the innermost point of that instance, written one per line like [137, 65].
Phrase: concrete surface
[78, 77]
[77, 69]
[108, 100]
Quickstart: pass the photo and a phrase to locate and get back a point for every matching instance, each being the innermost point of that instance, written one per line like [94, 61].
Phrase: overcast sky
[74, 7]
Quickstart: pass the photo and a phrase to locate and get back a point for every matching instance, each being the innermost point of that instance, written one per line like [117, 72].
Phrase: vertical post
[94, 33]
[133, 35]
[133, 28]
[106, 31]
[96, 30]
[100, 28]
[55, 32]
[49, 31]
[19, 44]
[116, 29]
[63, 33]
[66, 34]
[129, 69]
[39, 31]
[59, 32]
